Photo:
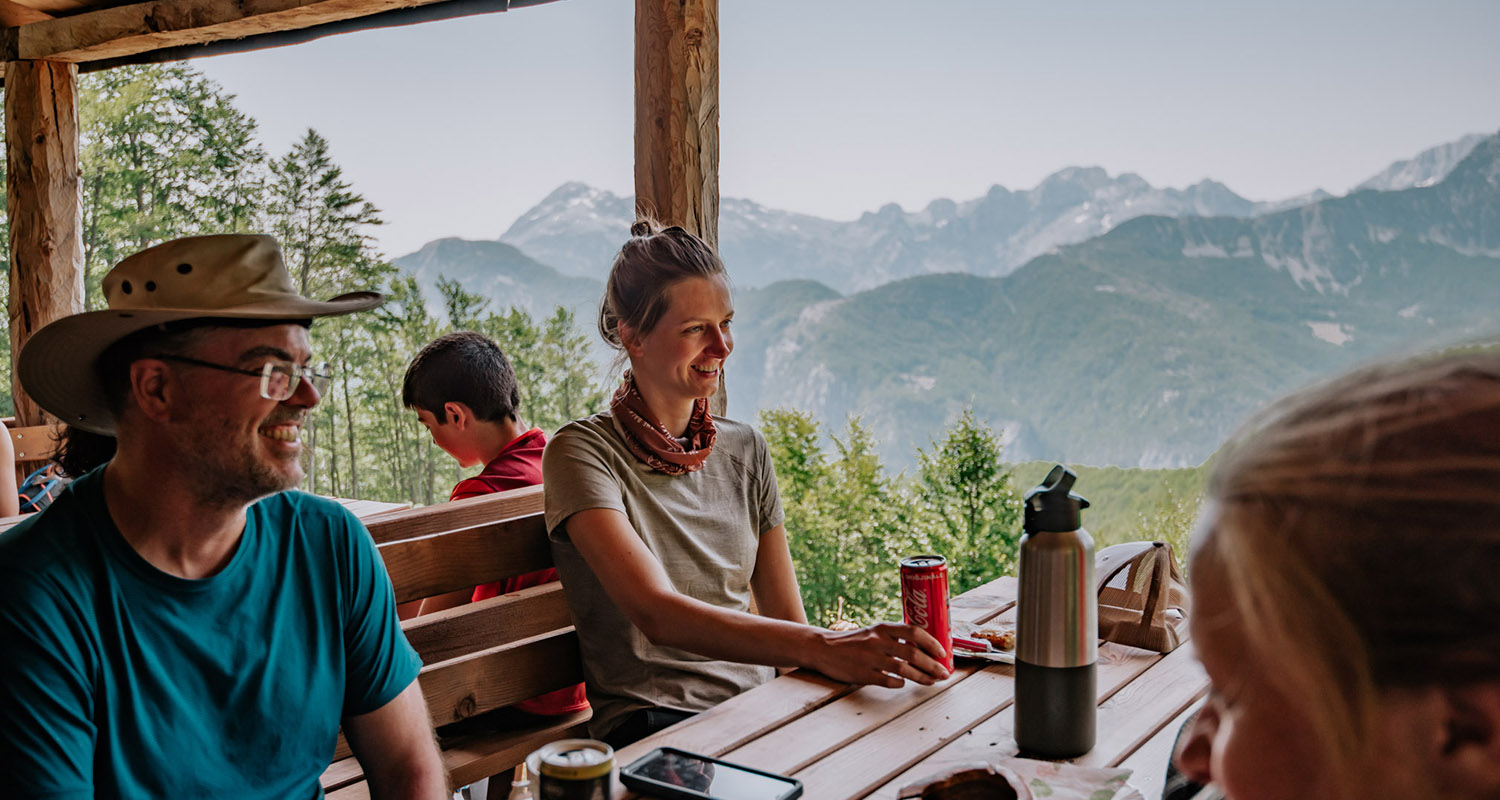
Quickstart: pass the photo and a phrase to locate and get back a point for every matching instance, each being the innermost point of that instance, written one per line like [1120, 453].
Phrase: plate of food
[986, 642]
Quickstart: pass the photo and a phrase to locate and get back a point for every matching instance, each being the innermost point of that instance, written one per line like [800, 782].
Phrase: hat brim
[57, 366]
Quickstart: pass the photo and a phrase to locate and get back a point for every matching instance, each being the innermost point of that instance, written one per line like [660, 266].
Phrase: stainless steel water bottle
[1057, 624]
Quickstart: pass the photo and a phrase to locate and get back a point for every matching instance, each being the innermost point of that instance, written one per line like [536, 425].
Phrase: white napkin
[1054, 781]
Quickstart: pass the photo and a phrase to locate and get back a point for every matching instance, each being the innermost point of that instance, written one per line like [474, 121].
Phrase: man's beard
[229, 473]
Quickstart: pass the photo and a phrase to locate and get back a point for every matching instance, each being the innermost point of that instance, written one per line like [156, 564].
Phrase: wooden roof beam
[14, 14]
[124, 31]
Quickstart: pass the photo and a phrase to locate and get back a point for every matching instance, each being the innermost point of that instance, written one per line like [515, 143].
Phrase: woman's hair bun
[645, 226]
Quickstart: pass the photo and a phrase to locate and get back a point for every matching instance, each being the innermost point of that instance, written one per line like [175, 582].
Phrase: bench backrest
[493, 653]
[33, 444]
[485, 655]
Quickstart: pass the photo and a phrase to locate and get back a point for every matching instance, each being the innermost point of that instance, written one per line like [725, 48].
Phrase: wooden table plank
[799, 743]
[369, 508]
[873, 760]
[740, 721]
[1148, 764]
[982, 603]
[364, 509]
[743, 718]
[6, 523]
[1118, 667]
[1137, 712]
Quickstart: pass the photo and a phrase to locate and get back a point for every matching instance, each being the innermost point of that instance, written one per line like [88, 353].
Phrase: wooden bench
[480, 656]
[34, 445]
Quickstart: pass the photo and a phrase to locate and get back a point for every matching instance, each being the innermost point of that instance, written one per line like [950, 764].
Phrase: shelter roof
[104, 33]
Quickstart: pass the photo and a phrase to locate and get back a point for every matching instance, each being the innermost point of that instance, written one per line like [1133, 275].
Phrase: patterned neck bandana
[652, 443]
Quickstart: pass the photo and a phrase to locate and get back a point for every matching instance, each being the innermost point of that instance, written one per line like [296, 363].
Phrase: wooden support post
[45, 206]
[677, 113]
[677, 119]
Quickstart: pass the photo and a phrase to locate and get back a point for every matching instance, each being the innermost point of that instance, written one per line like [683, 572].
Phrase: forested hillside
[1146, 346]
[165, 153]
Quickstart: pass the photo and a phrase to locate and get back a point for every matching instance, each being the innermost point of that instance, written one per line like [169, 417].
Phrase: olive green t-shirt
[703, 526]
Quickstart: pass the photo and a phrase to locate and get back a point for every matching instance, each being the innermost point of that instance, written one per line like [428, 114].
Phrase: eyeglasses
[278, 379]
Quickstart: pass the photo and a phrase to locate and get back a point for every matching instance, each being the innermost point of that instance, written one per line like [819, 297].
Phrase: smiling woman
[665, 520]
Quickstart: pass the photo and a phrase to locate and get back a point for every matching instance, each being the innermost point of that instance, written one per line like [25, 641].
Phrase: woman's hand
[883, 655]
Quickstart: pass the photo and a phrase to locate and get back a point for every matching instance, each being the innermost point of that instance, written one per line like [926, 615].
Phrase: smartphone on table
[674, 774]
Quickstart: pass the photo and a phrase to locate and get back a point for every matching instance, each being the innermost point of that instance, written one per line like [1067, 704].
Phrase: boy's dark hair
[462, 367]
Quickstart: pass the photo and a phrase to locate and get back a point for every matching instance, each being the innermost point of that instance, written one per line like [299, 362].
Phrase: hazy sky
[835, 107]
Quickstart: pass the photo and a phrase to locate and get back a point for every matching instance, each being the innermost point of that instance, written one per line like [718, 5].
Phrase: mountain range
[1134, 342]
[578, 229]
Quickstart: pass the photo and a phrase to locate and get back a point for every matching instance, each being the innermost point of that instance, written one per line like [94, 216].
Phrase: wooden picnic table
[364, 509]
[843, 741]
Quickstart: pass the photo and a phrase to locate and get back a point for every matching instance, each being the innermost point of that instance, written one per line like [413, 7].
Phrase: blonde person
[1346, 590]
[10, 500]
[665, 520]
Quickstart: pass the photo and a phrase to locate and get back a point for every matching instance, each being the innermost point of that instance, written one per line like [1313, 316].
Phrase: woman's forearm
[679, 621]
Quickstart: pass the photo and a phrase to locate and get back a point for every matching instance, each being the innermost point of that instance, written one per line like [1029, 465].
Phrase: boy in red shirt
[465, 393]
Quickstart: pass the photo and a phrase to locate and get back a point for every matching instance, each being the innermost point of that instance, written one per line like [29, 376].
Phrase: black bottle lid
[1053, 506]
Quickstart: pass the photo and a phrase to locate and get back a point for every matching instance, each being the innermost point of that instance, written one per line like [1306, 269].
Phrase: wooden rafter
[124, 31]
[14, 14]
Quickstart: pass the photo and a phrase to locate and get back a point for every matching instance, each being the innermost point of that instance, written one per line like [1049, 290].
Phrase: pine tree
[570, 388]
[321, 221]
[322, 224]
[842, 517]
[969, 502]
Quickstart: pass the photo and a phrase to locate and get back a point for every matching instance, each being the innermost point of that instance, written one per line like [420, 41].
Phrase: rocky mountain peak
[1425, 168]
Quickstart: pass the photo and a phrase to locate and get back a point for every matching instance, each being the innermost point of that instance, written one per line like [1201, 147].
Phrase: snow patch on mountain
[1331, 332]
[1425, 168]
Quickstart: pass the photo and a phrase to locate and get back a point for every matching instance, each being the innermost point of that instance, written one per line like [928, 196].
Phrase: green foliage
[843, 517]
[1172, 520]
[164, 153]
[1132, 505]
[567, 389]
[321, 221]
[967, 494]
[850, 523]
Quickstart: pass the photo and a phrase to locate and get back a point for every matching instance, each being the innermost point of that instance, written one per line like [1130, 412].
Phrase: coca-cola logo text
[916, 606]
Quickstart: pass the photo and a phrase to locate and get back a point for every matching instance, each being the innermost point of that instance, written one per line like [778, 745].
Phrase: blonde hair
[1359, 536]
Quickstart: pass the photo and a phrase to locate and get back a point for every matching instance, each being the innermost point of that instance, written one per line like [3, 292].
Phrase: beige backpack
[1143, 600]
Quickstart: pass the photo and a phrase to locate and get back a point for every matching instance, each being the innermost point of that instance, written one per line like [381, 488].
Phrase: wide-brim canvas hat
[229, 276]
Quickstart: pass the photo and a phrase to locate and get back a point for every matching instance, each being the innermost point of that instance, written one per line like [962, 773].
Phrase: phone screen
[712, 778]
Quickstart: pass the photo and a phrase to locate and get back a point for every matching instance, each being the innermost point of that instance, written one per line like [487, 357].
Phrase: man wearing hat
[178, 623]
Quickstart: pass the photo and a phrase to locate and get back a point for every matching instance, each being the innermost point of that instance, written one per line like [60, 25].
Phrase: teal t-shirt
[119, 680]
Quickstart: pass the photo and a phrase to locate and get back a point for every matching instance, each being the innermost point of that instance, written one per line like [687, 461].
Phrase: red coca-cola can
[924, 599]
